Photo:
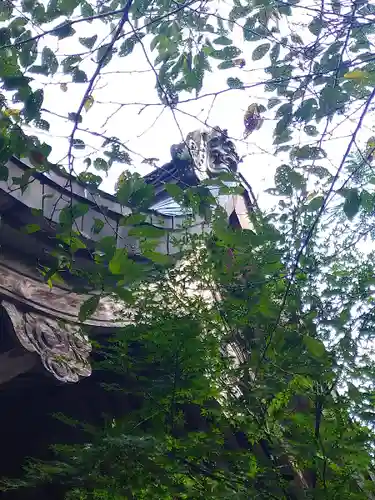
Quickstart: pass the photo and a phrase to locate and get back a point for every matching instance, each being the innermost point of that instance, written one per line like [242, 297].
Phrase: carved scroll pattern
[221, 153]
[63, 349]
[196, 143]
[211, 153]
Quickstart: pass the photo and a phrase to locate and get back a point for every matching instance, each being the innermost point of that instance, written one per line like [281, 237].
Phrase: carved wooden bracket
[45, 321]
[64, 351]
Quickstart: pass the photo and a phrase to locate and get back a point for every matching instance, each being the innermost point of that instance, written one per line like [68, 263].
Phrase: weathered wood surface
[57, 302]
[45, 322]
[63, 349]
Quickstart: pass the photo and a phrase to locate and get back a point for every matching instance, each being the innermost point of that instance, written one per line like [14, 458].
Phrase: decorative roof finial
[208, 153]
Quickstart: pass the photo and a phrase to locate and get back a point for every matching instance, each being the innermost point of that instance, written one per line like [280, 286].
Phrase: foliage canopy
[293, 299]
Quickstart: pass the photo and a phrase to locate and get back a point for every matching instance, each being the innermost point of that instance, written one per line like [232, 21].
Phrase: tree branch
[315, 223]
[124, 18]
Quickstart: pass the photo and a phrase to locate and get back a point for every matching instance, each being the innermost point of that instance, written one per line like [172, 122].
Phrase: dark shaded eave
[177, 172]
[182, 173]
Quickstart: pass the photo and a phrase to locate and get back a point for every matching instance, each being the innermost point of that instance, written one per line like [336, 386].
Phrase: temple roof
[31, 305]
[174, 171]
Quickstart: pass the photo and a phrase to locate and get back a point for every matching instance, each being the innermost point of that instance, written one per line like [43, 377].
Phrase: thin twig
[315, 223]
[124, 18]
[67, 24]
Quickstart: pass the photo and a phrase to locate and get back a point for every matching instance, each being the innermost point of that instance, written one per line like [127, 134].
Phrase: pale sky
[150, 131]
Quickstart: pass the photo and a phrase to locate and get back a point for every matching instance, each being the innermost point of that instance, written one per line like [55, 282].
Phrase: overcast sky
[149, 130]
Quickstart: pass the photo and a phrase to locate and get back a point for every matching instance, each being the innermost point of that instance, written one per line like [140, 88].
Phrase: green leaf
[157, 257]
[147, 231]
[283, 135]
[124, 294]
[222, 40]
[132, 219]
[226, 65]
[107, 245]
[39, 14]
[306, 110]
[40, 70]
[285, 9]
[63, 30]
[100, 164]
[133, 191]
[308, 152]
[120, 262]
[357, 75]
[67, 6]
[4, 173]
[32, 228]
[314, 346]
[78, 144]
[235, 83]
[15, 82]
[90, 179]
[275, 52]
[74, 117]
[44, 149]
[88, 104]
[127, 47]
[6, 9]
[315, 204]
[175, 191]
[227, 53]
[22, 181]
[367, 201]
[352, 203]
[70, 62]
[336, 6]
[69, 214]
[318, 171]
[97, 226]
[154, 42]
[17, 26]
[88, 308]
[261, 51]
[33, 105]
[42, 124]
[79, 76]
[353, 392]
[296, 39]
[86, 9]
[5, 36]
[287, 179]
[50, 60]
[331, 100]
[252, 33]
[285, 110]
[88, 42]
[316, 25]
[116, 155]
[29, 5]
[274, 101]
[104, 55]
[282, 149]
[311, 130]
